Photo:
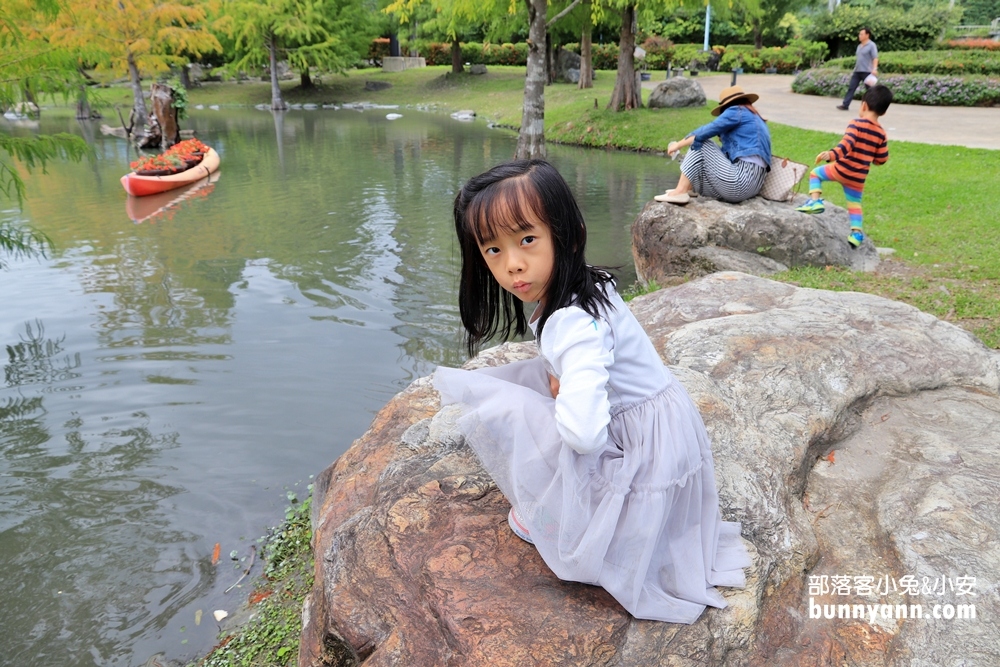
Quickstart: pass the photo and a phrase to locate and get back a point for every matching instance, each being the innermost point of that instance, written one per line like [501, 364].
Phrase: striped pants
[826, 172]
[714, 175]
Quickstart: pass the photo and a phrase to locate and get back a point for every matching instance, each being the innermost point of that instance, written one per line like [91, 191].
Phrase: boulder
[477, 68]
[756, 236]
[853, 436]
[565, 61]
[677, 92]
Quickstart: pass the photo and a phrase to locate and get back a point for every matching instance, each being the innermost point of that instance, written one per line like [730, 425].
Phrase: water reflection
[164, 205]
[188, 371]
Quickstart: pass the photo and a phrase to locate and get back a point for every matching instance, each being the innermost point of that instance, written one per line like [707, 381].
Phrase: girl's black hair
[509, 197]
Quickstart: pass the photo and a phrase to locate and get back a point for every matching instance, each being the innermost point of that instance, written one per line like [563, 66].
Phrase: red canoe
[140, 186]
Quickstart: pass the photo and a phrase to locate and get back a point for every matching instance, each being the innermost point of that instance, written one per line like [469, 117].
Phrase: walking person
[863, 145]
[866, 64]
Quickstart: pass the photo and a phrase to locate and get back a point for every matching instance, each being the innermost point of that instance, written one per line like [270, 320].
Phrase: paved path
[974, 127]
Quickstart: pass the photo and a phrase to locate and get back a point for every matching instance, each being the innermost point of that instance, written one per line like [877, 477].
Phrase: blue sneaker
[856, 238]
[812, 206]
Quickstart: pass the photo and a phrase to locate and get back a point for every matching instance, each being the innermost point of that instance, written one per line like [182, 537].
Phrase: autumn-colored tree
[29, 65]
[330, 34]
[134, 36]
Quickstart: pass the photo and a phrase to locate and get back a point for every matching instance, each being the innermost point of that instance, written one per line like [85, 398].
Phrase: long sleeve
[882, 154]
[726, 121]
[846, 145]
[580, 350]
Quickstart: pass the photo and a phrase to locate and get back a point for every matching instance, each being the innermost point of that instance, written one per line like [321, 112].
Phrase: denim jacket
[742, 132]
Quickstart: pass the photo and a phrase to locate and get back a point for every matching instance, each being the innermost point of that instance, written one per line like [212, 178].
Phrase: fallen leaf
[197, 617]
[885, 416]
[829, 457]
[215, 553]
[220, 614]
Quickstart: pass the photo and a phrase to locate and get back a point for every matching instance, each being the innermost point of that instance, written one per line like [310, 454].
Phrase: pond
[169, 382]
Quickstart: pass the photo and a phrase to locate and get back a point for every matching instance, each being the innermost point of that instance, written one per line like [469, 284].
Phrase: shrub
[659, 52]
[926, 89]
[685, 53]
[475, 53]
[985, 44]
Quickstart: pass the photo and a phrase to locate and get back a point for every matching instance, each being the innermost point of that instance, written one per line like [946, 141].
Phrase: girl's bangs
[512, 205]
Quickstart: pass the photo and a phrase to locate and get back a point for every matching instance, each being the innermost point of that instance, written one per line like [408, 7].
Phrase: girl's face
[522, 260]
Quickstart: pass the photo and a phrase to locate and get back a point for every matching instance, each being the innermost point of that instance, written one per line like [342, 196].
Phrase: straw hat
[733, 95]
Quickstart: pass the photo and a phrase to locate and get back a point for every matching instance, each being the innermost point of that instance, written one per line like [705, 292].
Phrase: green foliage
[19, 241]
[926, 89]
[271, 636]
[638, 289]
[687, 25]
[893, 29]
[35, 152]
[979, 12]
[475, 53]
[180, 97]
[330, 34]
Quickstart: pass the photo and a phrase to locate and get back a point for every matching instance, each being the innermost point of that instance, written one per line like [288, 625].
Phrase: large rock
[677, 92]
[565, 61]
[415, 564]
[755, 236]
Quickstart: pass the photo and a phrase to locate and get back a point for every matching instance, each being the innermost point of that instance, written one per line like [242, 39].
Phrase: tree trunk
[162, 98]
[457, 67]
[758, 35]
[626, 93]
[185, 76]
[550, 60]
[305, 81]
[138, 101]
[586, 59]
[83, 110]
[277, 104]
[531, 138]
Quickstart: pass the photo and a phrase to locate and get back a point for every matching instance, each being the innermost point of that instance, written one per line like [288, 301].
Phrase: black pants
[856, 80]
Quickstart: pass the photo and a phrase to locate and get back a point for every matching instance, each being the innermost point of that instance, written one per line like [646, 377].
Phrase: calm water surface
[168, 382]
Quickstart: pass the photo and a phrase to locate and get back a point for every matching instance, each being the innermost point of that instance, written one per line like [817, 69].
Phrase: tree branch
[563, 13]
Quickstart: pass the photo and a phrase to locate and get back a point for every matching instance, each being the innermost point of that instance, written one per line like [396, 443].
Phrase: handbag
[782, 182]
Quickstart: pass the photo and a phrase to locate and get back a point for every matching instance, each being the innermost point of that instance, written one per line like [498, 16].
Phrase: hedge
[931, 62]
[475, 53]
[925, 89]
[971, 44]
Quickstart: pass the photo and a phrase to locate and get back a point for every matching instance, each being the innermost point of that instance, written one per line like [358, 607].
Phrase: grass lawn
[935, 205]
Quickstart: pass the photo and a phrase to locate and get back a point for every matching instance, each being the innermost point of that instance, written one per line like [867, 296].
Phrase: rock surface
[755, 236]
[677, 92]
[415, 564]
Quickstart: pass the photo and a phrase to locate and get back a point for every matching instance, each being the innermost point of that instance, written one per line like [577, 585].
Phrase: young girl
[601, 452]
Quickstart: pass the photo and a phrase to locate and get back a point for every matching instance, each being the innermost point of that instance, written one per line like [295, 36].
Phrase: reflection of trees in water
[82, 521]
[156, 307]
[33, 360]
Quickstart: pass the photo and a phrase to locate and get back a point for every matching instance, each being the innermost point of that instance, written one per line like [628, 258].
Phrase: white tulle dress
[614, 478]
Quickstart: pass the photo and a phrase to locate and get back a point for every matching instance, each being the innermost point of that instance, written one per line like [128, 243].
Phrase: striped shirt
[863, 143]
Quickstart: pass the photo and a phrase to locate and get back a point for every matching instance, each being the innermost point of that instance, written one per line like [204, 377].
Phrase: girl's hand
[823, 157]
[672, 148]
[553, 385]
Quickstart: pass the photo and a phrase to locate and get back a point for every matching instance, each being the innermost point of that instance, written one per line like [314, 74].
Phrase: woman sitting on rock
[733, 172]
